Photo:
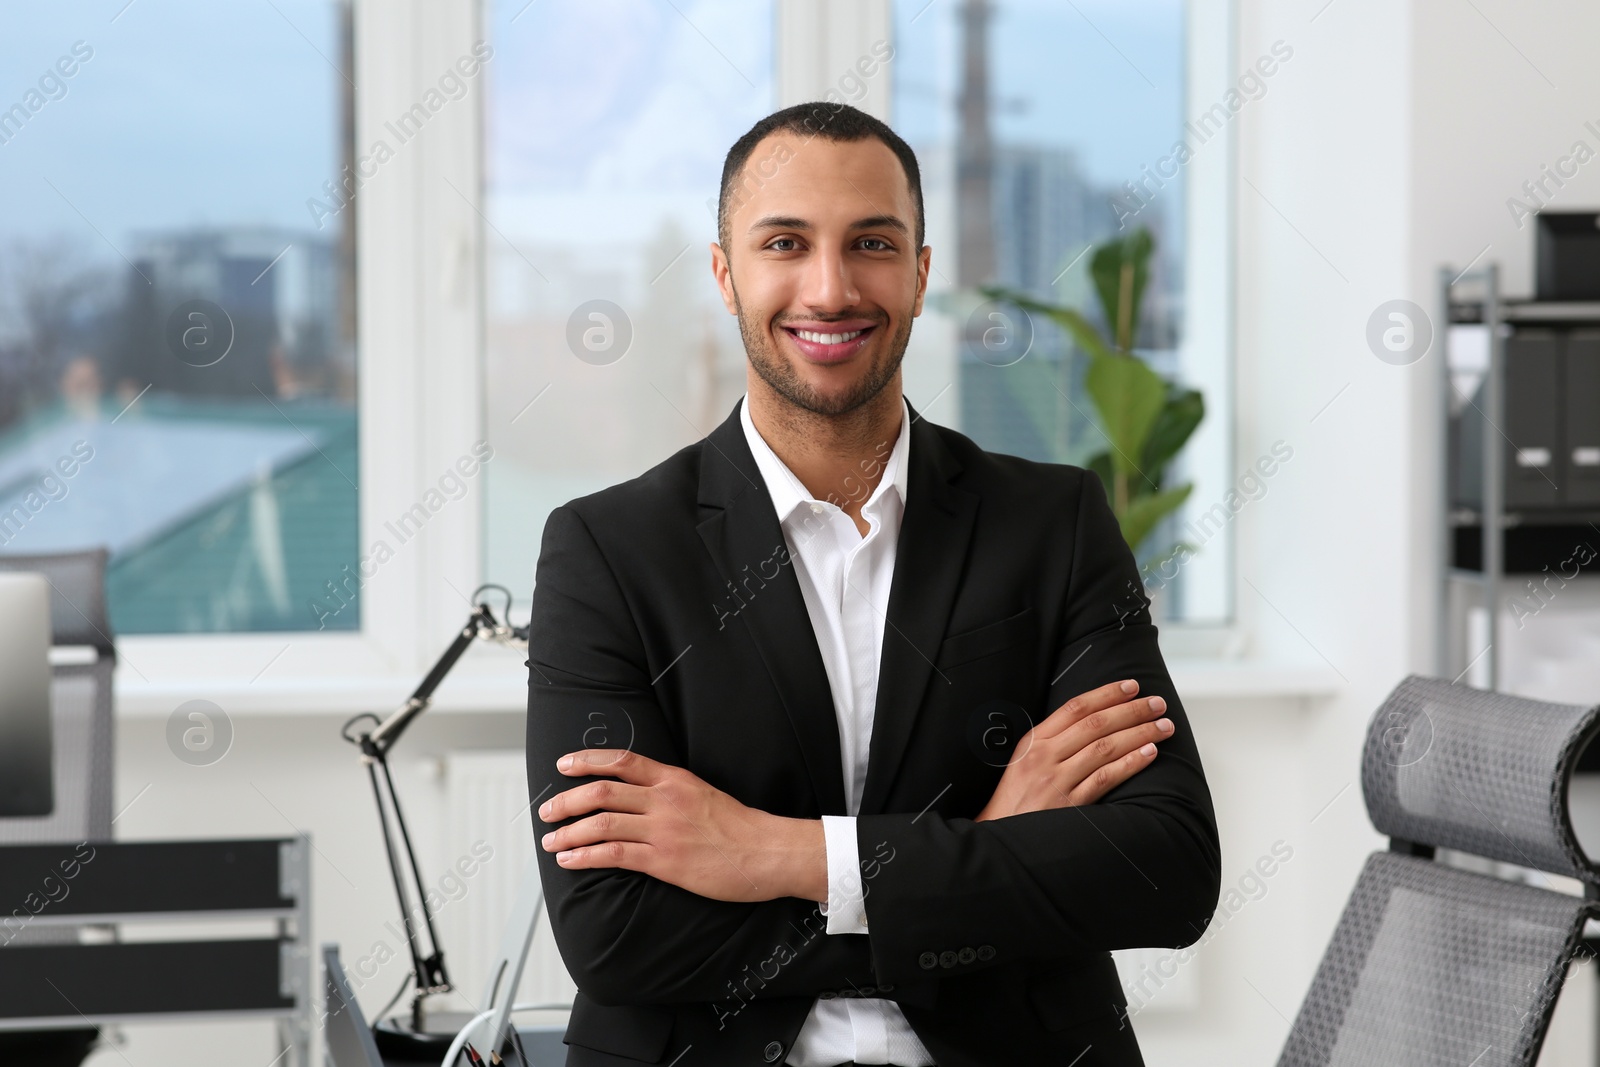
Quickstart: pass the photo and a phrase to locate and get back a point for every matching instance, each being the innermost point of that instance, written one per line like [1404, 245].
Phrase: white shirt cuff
[846, 906]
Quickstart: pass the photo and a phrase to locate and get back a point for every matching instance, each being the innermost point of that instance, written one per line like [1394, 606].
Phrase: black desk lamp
[421, 1034]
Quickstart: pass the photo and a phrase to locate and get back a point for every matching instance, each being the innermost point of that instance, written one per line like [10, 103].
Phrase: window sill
[1212, 679]
[487, 679]
[500, 685]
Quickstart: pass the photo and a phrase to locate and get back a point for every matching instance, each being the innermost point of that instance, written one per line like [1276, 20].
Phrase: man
[811, 788]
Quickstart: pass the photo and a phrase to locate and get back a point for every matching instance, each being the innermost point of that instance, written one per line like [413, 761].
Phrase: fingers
[1107, 721]
[1110, 775]
[621, 762]
[1104, 736]
[597, 830]
[627, 855]
[1085, 704]
[593, 796]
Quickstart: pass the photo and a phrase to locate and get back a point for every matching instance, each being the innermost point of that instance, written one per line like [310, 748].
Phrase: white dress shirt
[845, 578]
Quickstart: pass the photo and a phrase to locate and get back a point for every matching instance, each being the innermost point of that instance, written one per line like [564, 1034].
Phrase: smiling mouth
[822, 347]
[827, 338]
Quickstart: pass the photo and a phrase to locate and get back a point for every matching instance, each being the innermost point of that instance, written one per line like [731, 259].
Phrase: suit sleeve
[1139, 868]
[626, 937]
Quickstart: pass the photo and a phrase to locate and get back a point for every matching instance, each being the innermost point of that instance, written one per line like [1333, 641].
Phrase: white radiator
[487, 801]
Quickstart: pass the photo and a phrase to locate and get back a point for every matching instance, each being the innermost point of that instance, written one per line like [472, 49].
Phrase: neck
[838, 458]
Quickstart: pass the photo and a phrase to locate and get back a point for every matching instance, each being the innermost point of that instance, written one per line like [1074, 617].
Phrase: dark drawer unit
[1533, 412]
[1549, 431]
[1581, 394]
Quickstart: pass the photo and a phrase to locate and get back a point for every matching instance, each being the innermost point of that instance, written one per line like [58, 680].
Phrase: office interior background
[405, 257]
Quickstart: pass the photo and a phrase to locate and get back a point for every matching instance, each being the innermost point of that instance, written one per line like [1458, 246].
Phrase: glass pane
[1031, 118]
[608, 347]
[177, 317]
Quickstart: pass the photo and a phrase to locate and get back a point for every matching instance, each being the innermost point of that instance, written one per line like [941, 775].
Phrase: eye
[773, 244]
[884, 246]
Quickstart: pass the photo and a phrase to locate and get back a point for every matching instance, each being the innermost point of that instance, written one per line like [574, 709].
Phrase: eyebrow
[793, 222]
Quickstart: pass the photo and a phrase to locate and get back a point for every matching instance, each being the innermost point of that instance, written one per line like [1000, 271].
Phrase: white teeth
[828, 338]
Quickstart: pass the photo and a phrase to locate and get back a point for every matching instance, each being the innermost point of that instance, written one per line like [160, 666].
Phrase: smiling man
[844, 739]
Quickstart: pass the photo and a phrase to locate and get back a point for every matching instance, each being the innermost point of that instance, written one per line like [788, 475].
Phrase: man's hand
[668, 823]
[1088, 746]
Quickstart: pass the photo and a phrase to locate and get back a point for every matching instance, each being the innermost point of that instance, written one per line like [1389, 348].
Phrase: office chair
[1431, 964]
[81, 724]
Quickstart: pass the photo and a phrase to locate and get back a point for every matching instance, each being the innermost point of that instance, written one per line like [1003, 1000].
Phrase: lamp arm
[386, 733]
[429, 971]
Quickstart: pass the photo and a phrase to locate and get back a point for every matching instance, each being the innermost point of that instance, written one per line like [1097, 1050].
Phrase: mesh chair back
[1430, 964]
[1478, 772]
[80, 695]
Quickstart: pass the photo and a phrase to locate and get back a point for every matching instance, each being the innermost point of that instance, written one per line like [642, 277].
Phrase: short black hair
[835, 122]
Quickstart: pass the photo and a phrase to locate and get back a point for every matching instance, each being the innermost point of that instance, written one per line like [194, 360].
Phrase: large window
[177, 306]
[530, 189]
[1041, 128]
[607, 345]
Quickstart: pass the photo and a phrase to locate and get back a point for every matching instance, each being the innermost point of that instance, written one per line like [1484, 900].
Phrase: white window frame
[421, 284]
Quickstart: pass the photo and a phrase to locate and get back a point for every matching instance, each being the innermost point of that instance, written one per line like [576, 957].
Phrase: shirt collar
[789, 493]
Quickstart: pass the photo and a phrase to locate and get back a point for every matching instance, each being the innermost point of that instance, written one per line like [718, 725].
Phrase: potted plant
[1145, 418]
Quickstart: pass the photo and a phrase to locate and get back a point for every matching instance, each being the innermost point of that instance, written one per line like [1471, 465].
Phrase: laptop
[349, 1038]
[26, 772]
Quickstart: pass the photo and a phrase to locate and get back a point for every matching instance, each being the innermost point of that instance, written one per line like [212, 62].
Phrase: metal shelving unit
[1493, 511]
[1500, 316]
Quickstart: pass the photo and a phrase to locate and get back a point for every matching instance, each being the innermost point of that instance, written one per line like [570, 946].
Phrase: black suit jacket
[667, 619]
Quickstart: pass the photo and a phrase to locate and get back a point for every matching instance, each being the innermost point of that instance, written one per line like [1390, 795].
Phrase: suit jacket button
[986, 952]
[928, 961]
[826, 994]
[848, 993]
[772, 1052]
[967, 954]
[947, 958]
[885, 988]
[868, 990]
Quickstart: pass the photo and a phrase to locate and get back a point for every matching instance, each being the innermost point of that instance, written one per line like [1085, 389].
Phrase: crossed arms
[664, 889]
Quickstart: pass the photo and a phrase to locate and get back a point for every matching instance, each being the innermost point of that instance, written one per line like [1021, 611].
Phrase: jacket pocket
[637, 1031]
[1086, 988]
[984, 640]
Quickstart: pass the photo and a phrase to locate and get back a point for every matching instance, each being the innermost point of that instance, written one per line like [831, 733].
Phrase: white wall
[1387, 146]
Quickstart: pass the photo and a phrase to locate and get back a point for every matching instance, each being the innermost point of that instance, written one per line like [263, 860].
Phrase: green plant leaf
[1128, 396]
[1141, 516]
[1112, 264]
[1179, 416]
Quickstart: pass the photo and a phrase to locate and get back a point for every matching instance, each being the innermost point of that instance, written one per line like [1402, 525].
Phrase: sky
[1103, 77]
[187, 112]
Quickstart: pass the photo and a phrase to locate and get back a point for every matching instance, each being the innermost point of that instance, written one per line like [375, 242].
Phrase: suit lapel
[742, 533]
[930, 557]
[740, 530]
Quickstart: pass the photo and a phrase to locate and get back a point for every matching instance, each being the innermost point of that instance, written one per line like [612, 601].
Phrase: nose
[828, 285]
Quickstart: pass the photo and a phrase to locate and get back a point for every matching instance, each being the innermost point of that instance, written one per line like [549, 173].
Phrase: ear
[722, 271]
[924, 261]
